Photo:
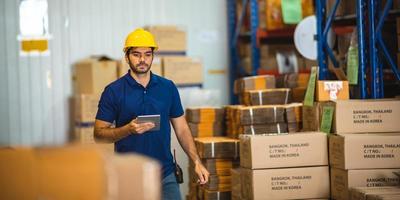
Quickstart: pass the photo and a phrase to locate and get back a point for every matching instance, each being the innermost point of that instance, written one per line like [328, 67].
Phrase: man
[141, 92]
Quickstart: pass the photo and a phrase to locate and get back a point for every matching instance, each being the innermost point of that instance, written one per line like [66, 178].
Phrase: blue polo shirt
[125, 99]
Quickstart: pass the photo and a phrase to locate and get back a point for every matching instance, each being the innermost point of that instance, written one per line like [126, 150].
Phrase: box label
[288, 182]
[366, 116]
[309, 97]
[286, 150]
[380, 151]
[327, 116]
[333, 87]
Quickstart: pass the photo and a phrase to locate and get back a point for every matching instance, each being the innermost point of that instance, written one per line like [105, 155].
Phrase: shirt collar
[153, 79]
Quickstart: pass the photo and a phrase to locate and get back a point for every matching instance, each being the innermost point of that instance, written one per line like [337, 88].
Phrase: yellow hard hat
[140, 38]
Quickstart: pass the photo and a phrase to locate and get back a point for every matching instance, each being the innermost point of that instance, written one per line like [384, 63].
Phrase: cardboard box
[360, 116]
[85, 107]
[366, 193]
[156, 67]
[343, 180]
[278, 151]
[236, 183]
[217, 147]
[84, 135]
[383, 196]
[261, 129]
[207, 129]
[53, 173]
[266, 97]
[286, 183]
[312, 116]
[183, 70]
[365, 151]
[254, 83]
[298, 94]
[204, 114]
[332, 90]
[169, 38]
[92, 75]
[18, 175]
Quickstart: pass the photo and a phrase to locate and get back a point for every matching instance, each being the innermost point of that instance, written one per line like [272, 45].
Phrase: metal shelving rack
[369, 20]
[234, 26]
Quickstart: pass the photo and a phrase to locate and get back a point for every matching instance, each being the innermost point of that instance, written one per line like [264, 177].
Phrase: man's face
[140, 59]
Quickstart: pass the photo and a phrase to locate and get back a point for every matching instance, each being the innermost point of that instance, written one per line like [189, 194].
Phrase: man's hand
[201, 172]
[139, 128]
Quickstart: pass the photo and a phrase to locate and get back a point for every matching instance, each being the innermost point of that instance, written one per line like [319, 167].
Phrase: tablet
[150, 118]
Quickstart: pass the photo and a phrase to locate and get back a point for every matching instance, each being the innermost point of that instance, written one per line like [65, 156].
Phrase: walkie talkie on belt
[178, 171]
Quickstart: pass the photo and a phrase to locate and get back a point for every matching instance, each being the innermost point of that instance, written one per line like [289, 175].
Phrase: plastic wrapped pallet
[206, 114]
[217, 147]
[266, 97]
[254, 83]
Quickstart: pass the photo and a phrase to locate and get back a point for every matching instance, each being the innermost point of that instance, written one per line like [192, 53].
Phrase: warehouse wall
[35, 89]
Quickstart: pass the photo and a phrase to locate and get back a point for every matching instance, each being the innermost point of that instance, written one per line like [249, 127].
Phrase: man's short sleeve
[176, 109]
[107, 109]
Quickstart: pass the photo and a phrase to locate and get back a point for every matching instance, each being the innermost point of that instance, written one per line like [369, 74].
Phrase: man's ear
[126, 59]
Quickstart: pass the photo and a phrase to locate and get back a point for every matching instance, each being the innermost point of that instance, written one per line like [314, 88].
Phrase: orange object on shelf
[274, 19]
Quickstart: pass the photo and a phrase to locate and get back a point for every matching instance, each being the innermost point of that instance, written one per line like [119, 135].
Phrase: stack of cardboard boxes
[77, 172]
[365, 152]
[206, 121]
[325, 93]
[266, 109]
[291, 166]
[170, 60]
[92, 75]
[218, 154]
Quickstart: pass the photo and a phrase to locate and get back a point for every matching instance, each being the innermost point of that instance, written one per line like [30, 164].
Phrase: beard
[141, 68]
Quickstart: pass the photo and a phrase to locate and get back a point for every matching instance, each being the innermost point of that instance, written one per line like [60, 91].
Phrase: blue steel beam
[255, 50]
[389, 58]
[240, 22]
[362, 57]
[375, 79]
[380, 41]
[233, 64]
[322, 58]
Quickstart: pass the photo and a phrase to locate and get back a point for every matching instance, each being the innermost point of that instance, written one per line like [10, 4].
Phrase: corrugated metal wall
[34, 111]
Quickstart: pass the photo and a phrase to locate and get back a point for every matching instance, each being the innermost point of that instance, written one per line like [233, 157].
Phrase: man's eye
[136, 54]
[148, 54]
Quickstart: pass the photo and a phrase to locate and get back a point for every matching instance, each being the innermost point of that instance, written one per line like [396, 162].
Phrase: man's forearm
[187, 143]
[109, 134]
